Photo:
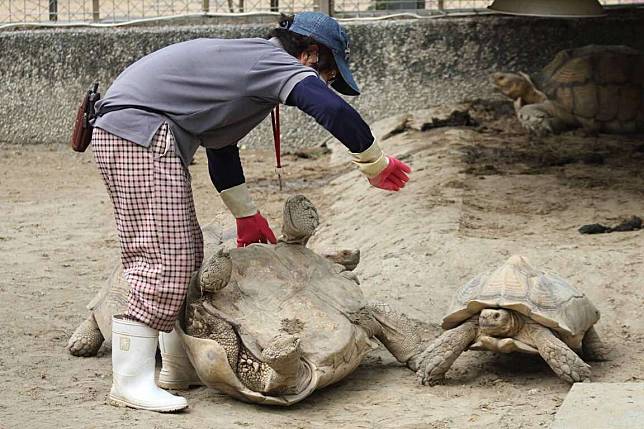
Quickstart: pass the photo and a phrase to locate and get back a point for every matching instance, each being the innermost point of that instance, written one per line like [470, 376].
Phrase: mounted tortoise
[271, 324]
[597, 88]
[518, 308]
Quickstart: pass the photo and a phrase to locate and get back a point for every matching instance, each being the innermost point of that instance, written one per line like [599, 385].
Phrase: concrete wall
[401, 65]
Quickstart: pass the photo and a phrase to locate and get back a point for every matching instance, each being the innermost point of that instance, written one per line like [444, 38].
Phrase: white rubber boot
[177, 372]
[134, 347]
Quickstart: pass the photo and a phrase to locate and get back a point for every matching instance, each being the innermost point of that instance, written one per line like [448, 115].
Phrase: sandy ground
[478, 194]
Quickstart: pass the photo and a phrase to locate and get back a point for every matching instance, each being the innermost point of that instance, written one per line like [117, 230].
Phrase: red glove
[254, 229]
[393, 177]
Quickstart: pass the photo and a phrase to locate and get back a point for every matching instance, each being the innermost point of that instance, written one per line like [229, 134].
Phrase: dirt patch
[292, 326]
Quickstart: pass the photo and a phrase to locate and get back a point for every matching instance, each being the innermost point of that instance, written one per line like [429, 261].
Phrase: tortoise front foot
[300, 220]
[561, 358]
[593, 347]
[86, 339]
[538, 119]
[397, 333]
[441, 354]
[215, 273]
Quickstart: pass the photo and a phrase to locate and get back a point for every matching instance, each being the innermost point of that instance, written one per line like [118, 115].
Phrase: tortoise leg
[545, 118]
[561, 358]
[86, 339]
[288, 374]
[395, 331]
[281, 371]
[441, 354]
[348, 258]
[215, 273]
[593, 348]
[300, 220]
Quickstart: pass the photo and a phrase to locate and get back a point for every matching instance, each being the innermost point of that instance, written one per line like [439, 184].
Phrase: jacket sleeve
[225, 168]
[314, 98]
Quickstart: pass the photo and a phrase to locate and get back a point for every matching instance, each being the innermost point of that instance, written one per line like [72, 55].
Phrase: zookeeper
[154, 116]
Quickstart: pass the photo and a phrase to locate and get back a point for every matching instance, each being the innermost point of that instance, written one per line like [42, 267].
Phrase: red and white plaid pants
[161, 241]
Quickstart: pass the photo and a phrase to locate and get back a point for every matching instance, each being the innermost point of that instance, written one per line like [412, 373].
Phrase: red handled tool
[275, 121]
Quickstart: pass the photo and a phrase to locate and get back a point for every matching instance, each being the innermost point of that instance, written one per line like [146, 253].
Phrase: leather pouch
[82, 133]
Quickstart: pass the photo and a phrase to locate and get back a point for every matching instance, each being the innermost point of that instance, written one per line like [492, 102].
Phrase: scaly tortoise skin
[270, 324]
[598, 88]
[517, 308]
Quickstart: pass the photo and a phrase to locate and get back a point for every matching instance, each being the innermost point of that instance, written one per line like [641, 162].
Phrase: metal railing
[69, 11]
[419, 6]
[123, 11]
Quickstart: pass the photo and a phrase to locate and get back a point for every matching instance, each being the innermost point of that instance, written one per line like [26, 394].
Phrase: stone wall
[401, 65]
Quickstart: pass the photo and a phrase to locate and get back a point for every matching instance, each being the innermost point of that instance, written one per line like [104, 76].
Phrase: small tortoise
[517, 308]
[272, 323]
[96, 329]
[598, 88]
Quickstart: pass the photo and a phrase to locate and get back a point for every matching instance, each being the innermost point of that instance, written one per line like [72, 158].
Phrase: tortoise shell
[286, 289]
[541, 296]
[601, 84]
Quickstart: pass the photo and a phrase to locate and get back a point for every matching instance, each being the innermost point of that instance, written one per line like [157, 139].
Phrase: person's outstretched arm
[313, 97]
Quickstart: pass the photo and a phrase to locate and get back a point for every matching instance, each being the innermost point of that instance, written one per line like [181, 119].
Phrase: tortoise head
[519, 87]
[513, 85]
[499, 322]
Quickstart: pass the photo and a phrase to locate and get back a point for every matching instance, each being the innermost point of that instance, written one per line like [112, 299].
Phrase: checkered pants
[161, 242]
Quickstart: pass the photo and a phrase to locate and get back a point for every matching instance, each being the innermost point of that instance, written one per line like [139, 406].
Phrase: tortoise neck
[534, 96]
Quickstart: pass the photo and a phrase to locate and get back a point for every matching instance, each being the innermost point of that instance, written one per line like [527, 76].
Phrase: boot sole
[117, 402]
[178, 386]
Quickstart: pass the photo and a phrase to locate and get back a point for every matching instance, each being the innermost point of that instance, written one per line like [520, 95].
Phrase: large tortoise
[517, 308]
[271, 324]
[96, 330]
[598, 88]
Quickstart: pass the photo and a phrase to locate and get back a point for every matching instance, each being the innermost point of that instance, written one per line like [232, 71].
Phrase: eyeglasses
[332, 78]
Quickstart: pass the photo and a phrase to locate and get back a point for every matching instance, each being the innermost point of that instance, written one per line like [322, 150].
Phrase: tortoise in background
[270, 324]
[598, 88]
[517, 308]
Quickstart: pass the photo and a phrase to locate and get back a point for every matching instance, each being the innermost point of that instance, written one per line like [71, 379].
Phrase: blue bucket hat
[328, 32]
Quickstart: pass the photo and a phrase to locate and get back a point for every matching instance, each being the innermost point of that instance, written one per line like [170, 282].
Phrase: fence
[119, 11]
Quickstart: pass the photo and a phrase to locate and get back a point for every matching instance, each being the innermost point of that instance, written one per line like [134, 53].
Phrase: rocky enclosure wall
[400, 65]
